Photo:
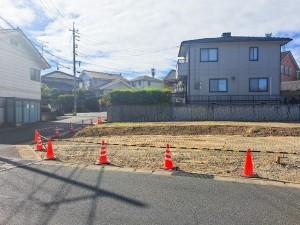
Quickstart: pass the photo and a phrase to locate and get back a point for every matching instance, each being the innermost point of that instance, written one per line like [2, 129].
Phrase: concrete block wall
[255, 113]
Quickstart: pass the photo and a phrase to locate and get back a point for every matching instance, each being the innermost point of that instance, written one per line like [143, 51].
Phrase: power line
[53, 14]
[62, 16]
[51, 53]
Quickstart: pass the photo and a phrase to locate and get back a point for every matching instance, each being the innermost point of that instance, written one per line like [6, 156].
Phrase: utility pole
[44, 44]
[74, 69]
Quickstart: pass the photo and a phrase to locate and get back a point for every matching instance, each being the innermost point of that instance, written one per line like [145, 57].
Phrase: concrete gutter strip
[26, 152]
[108, 168]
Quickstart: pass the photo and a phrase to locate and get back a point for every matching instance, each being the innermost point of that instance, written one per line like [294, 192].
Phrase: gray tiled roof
[236, 39]
[60, 86]
[60, 75]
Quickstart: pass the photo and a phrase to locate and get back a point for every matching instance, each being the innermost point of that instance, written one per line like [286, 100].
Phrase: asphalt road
[24, 134]
[71, 195]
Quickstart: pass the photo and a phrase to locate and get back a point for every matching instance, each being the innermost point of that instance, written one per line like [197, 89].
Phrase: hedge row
[138, 97]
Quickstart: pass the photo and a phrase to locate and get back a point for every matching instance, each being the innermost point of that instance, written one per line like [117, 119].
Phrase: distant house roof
[290, 86]
[171, 75]
[147, 78]
[60, 75]
[101, 75]
[59, 85]
[105, 86]
[226, 37]
[284, 54]
[18, 32]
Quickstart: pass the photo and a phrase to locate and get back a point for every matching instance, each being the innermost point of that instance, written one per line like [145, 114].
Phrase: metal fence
[229, 99]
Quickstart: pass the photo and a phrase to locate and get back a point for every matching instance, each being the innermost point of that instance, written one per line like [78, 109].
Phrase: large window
[218, 85]
[258, 84]
[35, 74]
[208, 55]
[253, 53]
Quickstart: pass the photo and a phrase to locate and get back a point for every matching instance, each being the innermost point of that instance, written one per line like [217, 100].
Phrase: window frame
[254, 59]
[218, 79]
[35, 75]
[290, 71]
[209, 60]
[261, 78]
[286, 70]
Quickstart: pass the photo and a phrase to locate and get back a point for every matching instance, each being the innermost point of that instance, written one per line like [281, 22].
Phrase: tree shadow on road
[60, 198]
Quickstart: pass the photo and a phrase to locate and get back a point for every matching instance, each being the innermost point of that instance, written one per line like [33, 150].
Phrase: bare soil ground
[228, 135]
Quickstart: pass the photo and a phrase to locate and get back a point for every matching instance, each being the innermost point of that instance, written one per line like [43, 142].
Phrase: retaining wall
[140, 113]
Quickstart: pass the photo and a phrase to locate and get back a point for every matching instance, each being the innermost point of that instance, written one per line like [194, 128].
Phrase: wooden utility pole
[74, 70]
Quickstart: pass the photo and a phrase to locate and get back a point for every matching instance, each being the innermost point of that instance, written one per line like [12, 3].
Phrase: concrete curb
[108, 168]
[26, 152]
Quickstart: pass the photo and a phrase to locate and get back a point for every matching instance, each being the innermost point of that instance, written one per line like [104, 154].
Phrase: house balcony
[182, 69]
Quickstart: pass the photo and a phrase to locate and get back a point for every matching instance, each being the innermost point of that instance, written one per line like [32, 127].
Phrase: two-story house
[61, 81]
[20, 69]
[102, 83]
[231, 69]
[289, 67]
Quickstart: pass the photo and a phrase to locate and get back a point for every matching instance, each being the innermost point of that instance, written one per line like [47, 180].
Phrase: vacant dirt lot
[228, 135]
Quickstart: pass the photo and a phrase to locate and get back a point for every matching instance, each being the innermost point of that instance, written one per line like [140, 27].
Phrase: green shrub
[138, 97]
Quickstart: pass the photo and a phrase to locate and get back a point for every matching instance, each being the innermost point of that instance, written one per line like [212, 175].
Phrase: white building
[20, 87]
[143, 82]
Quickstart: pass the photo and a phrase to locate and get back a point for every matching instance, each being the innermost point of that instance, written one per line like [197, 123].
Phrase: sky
[132, 36]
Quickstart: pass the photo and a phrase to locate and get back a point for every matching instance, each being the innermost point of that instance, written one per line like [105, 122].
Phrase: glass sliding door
[10, 111]
[26, 112]
[19, 112]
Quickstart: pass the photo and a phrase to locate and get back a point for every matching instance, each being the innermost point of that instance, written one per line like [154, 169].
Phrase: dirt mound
[246, 130]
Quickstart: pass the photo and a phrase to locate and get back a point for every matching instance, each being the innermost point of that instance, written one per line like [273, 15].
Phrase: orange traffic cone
[56, 132]
[102, 158]
[39, 144]
[248, 167]
[92, 124]
[82, 125]
[99, 120]
[50, 154]
[71, 128]
[36, 135]
[168, 159]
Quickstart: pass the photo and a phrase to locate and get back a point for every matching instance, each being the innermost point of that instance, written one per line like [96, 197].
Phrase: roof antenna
[153, 72]
[268, 35]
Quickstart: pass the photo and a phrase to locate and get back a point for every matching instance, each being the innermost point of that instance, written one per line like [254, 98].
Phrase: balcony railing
[229, 99]
[235, 99]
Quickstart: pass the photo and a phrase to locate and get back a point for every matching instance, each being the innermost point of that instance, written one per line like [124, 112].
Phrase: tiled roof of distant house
[147, 78]
[60, 75]
[283, 54]
[101, 75]
[171, 75]
[59, 85]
